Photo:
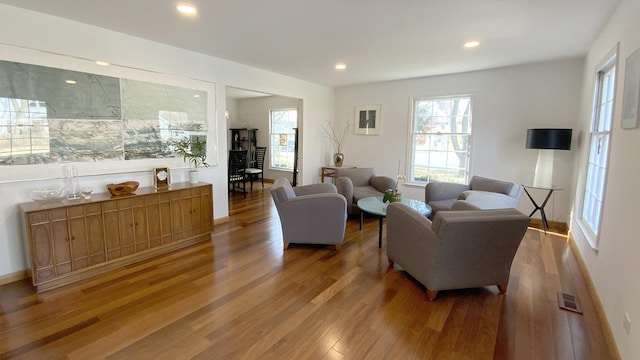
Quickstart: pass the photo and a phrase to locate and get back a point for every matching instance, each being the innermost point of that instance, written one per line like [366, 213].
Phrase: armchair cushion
[357, 183]
[494, 186]
[312, 214]
[459, 249]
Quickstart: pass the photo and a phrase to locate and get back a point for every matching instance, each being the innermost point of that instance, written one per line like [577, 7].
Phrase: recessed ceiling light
[341, 66]
[187, 9]
[102, 63]
[70, 81]
[471, 44]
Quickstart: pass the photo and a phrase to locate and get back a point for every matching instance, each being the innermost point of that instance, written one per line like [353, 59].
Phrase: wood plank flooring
[242, 296]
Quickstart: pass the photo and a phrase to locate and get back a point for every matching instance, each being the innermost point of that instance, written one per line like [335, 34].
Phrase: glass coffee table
[374, 206]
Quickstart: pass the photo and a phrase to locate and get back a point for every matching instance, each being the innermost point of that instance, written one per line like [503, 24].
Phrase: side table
[540, 207]
[330, 171]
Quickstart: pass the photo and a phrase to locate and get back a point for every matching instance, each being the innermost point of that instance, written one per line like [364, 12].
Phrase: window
[282, 122]
[599, 141]
[440, 132]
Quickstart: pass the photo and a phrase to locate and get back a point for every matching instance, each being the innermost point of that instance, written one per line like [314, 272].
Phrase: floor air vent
[569, 302]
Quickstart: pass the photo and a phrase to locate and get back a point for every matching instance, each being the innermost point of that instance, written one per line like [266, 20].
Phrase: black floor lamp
[546, 141]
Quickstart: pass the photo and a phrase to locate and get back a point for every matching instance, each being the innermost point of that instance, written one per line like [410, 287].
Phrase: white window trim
[270, 163]
[410, 138]
[611, 59]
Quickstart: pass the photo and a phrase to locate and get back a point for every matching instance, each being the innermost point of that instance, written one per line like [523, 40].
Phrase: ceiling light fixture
[70, 82]
[102, 63]
[471, 44]
[187, 9]
[341, 66]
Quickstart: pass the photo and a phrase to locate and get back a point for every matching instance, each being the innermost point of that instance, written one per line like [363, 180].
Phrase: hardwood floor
[242, 296]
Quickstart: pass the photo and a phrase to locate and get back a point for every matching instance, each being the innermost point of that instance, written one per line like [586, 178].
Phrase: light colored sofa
[459, 249]
[482, 192]
[357, 183]
[311, 214]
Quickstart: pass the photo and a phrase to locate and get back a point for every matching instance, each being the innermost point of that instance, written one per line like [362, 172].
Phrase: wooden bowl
[124, 188]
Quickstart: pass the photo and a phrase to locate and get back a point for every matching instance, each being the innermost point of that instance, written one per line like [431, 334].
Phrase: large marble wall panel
[86, 140]
[144, 100]
[44, 119]
[144, 139]
[90, 97]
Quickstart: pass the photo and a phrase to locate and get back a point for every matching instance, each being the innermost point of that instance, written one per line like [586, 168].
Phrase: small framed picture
[631, 100]
[367, 120]
[161, 178]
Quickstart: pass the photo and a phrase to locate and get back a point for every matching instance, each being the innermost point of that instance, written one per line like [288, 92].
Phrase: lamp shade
[552, 139]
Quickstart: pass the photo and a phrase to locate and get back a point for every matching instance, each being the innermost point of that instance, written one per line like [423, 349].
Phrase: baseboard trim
[554, 226]
[222, 220]
[13, 277]
[610, 340]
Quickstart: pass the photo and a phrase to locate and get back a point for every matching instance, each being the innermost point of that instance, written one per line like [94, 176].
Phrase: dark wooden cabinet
[73, 240]
[245, 139]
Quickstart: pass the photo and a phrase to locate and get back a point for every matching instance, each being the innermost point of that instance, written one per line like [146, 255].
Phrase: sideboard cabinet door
[40, 245]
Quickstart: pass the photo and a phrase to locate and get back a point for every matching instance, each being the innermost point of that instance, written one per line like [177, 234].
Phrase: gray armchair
[459, 249]
[357, 183]
[482, 192]
[311, 214]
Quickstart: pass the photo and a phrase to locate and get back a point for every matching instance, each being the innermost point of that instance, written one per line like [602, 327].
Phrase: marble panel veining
[144, 139]
[86, 140]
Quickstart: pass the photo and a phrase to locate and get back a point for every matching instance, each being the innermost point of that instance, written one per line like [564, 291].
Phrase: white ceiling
[378, 39]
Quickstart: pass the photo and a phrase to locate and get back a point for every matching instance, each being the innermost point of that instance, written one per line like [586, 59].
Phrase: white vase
[193, 176]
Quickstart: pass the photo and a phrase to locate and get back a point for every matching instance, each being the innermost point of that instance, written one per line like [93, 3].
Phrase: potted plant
[194, 151]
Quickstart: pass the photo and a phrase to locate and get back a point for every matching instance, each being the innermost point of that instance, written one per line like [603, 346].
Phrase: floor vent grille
[569, 302]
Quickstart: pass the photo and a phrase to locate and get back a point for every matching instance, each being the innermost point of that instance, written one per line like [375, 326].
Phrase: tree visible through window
[440, 132]
[600, 139]
[282, 122]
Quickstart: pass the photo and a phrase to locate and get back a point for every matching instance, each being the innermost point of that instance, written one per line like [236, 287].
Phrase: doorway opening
[258, 119]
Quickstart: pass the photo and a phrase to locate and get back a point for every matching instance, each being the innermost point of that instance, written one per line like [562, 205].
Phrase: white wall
[27, 29]
[506, 102]
[614, 267]
[254, 113]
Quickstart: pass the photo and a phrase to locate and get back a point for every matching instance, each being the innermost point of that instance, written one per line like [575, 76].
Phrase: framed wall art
[367, 120]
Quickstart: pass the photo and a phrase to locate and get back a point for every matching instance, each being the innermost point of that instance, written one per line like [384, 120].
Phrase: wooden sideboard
[73, 240]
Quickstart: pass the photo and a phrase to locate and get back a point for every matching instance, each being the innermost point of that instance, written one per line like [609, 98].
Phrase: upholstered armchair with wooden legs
[357, 183]
[459, 249]
[310, 214]
[482, 192]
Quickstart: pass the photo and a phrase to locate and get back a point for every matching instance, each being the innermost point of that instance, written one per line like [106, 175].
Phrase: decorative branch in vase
[337, 133]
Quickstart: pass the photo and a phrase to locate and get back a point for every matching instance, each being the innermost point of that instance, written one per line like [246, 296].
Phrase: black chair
[254, 172]
[237, 167]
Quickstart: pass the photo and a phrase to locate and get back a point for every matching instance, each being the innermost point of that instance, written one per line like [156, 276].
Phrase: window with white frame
[440, 134]
[282, 137]
[599, 143]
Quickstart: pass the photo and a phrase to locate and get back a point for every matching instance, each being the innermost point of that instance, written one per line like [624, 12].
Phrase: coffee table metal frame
[373, 205]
